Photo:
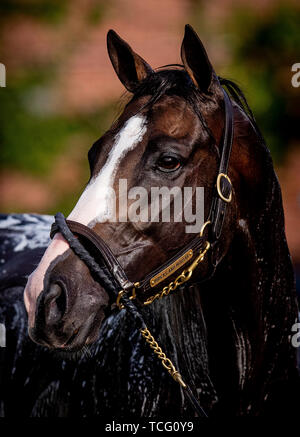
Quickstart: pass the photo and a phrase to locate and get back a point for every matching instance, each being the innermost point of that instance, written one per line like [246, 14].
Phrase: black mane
[173, 80]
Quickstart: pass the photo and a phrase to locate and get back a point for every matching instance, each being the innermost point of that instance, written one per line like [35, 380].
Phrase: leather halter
[193, 252]
[169, 270]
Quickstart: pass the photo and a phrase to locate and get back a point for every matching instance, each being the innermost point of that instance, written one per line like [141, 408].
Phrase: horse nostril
[55, 303]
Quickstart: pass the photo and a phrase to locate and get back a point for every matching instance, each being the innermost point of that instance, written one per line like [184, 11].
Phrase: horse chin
[78, 342]
[73, 354]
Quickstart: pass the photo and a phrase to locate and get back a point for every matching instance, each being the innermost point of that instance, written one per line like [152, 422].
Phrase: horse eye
[168, 163]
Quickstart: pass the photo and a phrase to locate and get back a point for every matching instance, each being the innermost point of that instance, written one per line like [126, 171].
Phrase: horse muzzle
[67, 318]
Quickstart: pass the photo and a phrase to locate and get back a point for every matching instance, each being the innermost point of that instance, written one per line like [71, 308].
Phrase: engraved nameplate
[168, 271]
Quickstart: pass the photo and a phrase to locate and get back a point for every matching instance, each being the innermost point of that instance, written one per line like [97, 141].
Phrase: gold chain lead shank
[166, 362]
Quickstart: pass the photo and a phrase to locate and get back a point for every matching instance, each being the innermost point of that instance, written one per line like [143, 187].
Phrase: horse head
[167, 136]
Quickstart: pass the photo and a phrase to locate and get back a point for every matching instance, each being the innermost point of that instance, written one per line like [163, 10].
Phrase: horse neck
[250, 305]
[230, 336]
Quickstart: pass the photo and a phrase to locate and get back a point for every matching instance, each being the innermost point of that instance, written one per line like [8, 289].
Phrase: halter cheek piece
[106, 269]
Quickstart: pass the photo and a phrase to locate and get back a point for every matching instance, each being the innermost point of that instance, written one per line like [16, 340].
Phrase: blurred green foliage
[263, 46]
[51, 11]
[96, 13]
[31, 140]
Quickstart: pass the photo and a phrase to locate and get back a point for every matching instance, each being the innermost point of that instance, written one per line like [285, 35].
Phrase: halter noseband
[110, 274]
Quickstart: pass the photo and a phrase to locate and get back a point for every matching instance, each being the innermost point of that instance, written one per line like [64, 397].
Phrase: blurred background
[61, 92]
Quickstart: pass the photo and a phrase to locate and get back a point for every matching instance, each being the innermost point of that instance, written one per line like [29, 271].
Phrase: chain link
[166, 362]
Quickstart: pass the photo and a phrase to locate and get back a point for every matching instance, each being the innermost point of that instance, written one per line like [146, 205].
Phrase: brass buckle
[203, 227]
[122, 292]
[226, 199]
[189, 271]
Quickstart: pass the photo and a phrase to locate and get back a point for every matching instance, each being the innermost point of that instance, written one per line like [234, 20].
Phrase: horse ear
[131, 69]
[195, 60]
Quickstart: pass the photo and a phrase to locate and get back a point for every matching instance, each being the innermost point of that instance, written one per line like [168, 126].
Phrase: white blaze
[93, 205]
[95, 202]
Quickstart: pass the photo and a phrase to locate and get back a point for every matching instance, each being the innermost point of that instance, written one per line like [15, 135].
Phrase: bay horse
[228, 328]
